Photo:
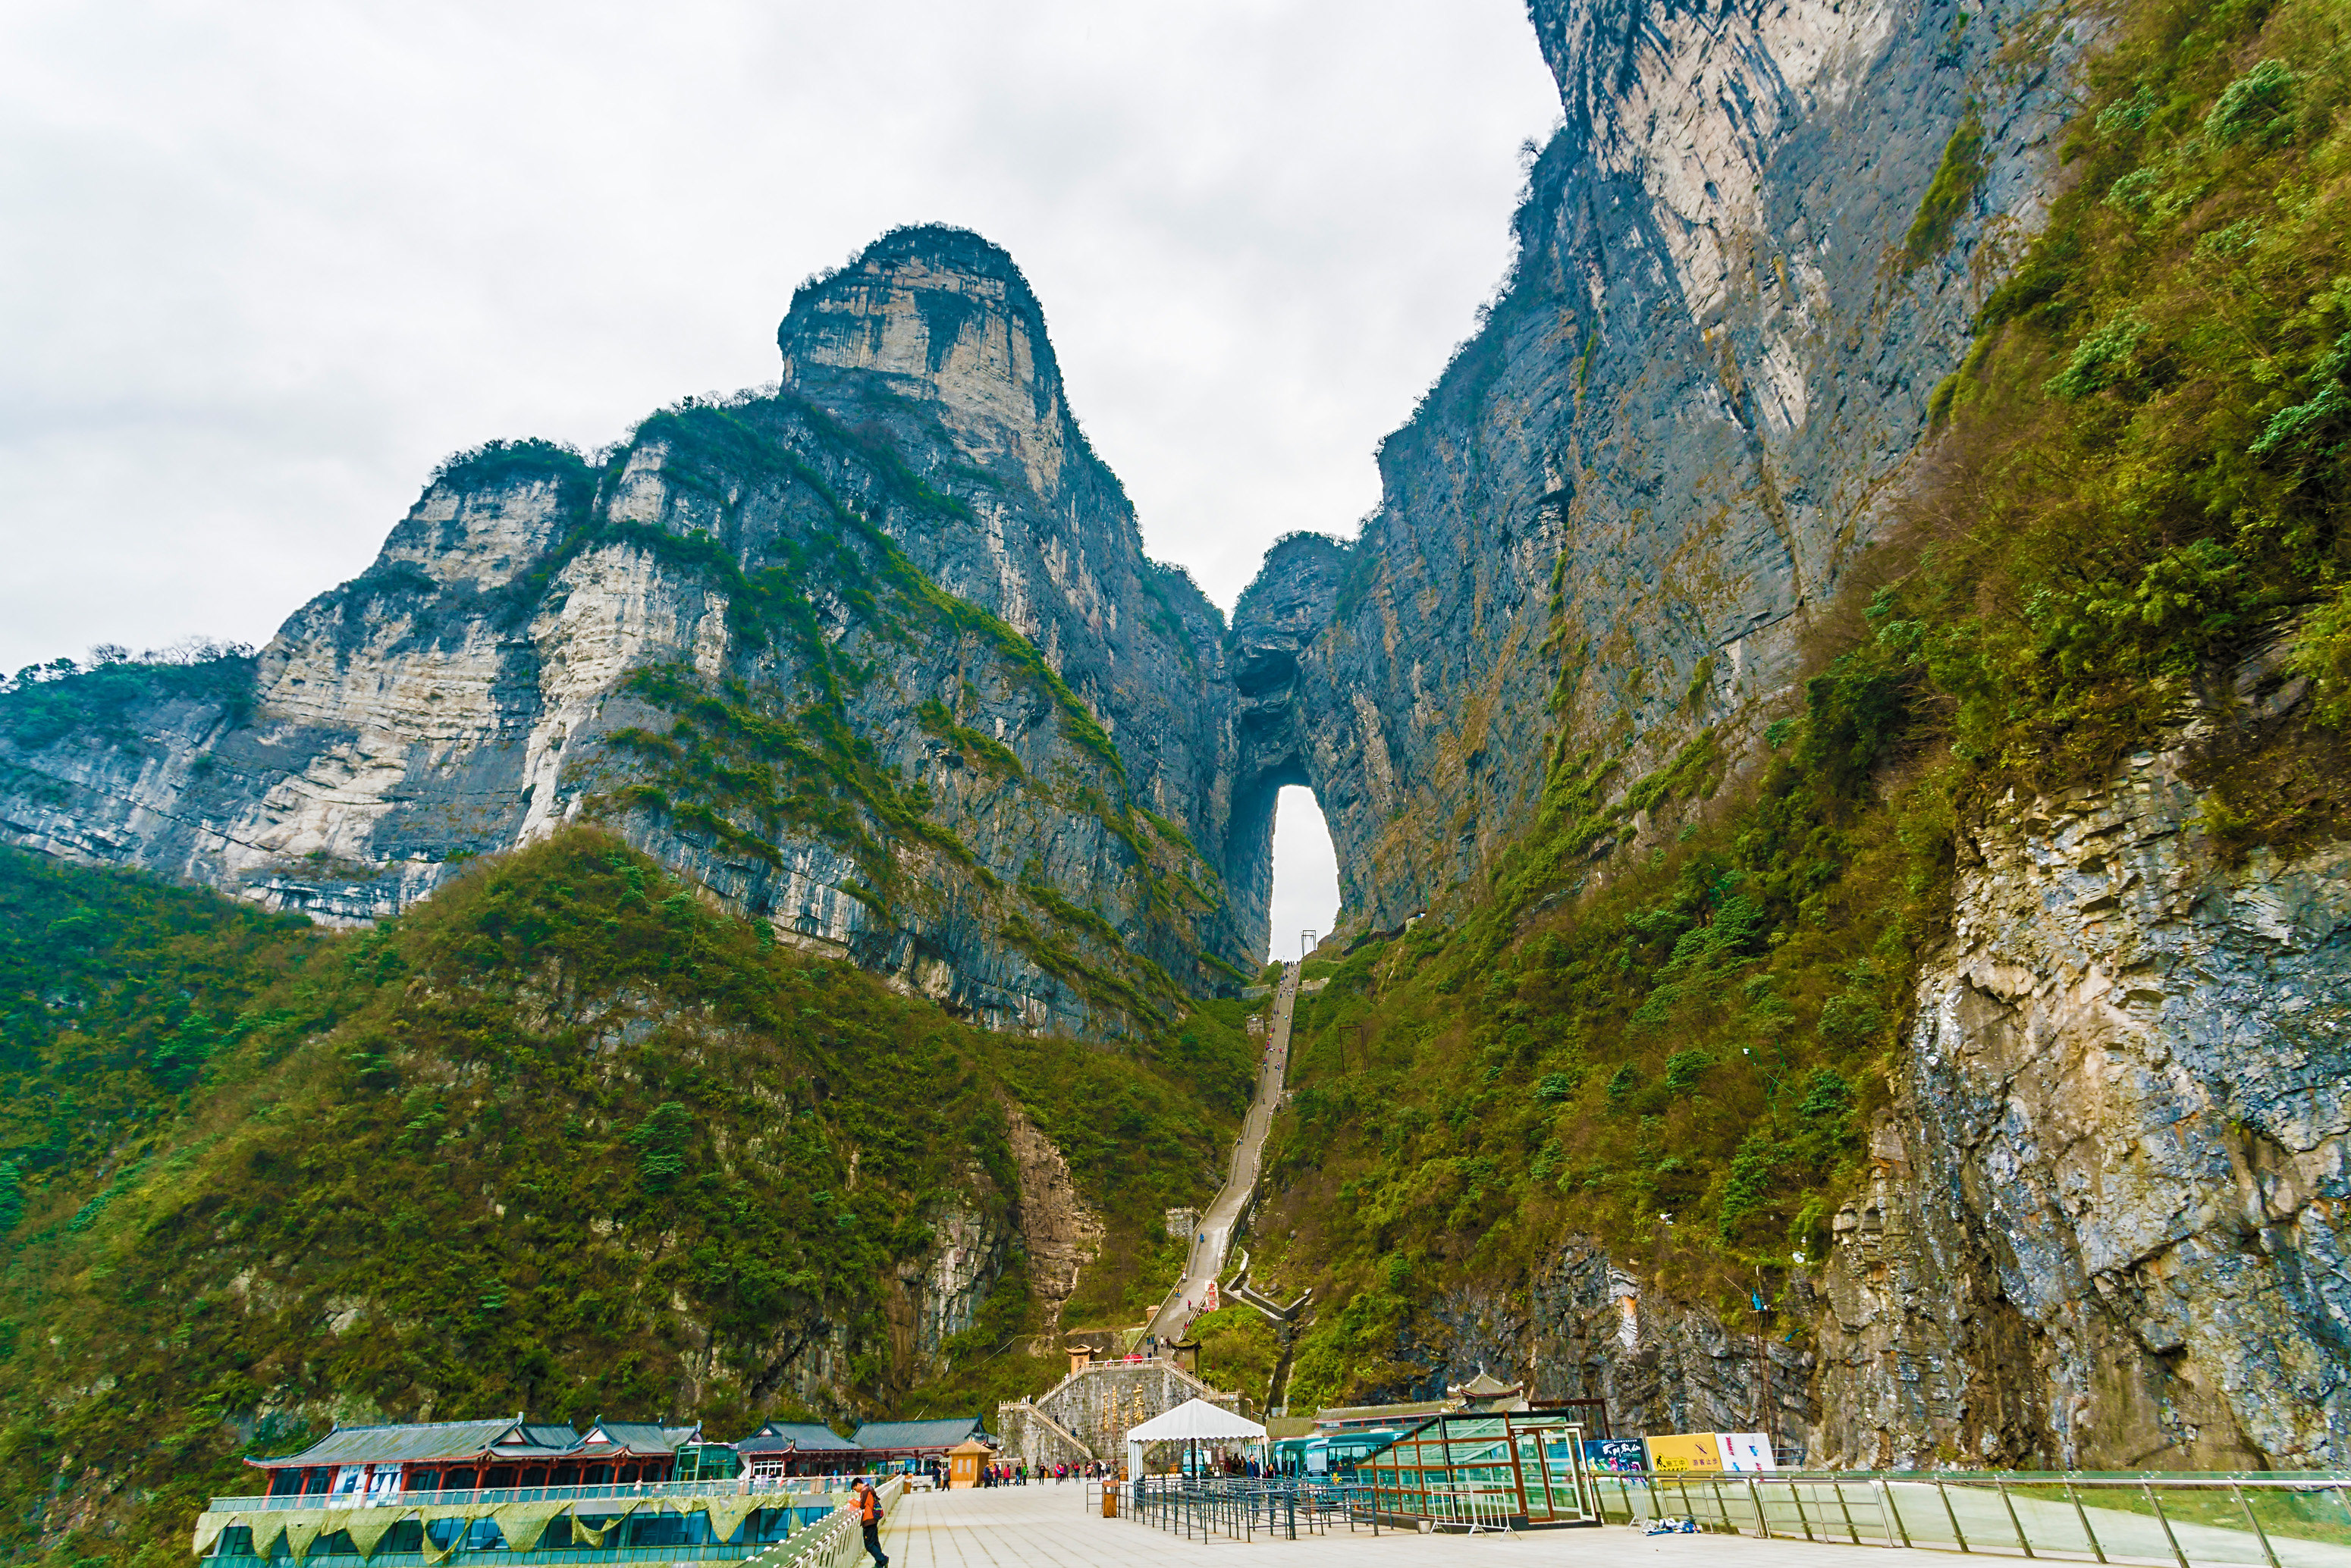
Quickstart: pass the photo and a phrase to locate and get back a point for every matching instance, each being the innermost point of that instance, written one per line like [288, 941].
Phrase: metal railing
[2256, 1519]
[836, 1542]
[632, 1491]
[833, 1541]
[1240, 1507]
[1243, 1508]
[2240, 1520]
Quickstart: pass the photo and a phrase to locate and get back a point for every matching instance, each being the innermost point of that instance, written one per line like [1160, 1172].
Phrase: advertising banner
[1745, 1450]
[1615, 1455]
[1684, 1451]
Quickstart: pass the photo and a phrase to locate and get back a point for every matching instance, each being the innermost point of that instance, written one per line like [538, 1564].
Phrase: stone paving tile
[1049, 1527]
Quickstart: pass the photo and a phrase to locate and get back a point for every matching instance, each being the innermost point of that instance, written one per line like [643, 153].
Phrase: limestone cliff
[2106, 1224]
[877, 656]
[2103, 1223]
[1681, 421]
[2101, 1220]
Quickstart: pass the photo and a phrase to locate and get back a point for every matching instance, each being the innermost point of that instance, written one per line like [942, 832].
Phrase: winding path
[1214, 1238]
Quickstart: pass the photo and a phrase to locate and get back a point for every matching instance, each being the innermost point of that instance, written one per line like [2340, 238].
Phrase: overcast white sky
[262, 265]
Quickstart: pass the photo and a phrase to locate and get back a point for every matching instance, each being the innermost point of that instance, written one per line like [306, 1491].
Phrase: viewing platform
[1814, 1519]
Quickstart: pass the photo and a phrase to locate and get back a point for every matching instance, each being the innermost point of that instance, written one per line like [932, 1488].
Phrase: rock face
[2105, 1221]
[1277, 617]
[878, 657]
[2104, 1224]
[2107, 1228]
[1680, 421]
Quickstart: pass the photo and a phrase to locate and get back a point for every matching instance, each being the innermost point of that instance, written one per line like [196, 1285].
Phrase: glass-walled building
[1519, 1469]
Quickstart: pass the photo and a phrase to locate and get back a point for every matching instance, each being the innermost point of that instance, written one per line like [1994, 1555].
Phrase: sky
[263, 265]
[1305, 872]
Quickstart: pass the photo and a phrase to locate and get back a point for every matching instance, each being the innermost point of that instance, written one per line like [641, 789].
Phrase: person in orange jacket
[869, 1514]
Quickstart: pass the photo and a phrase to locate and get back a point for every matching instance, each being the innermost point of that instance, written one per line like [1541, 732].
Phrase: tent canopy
[1196, 1419]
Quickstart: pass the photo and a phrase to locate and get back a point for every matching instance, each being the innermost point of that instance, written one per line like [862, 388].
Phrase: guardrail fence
[1199, 1506]
[2258, 1519]
[2250, 1519]
[766, 1526]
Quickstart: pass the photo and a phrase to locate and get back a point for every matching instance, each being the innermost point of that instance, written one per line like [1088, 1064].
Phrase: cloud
[266, 264]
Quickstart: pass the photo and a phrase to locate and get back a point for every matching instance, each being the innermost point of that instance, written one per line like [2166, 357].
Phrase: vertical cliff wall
[2101, 1219]
[1682, 417]
[2102, 1224]
[2109, 1204]
[877, 656]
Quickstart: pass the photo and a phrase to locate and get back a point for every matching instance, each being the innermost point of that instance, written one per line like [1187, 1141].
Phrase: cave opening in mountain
[1305, 871]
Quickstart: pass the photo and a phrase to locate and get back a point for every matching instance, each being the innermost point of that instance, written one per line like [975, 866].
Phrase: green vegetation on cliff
[777, 744]
[45, 703]
[2133, 512]
[563, 1139]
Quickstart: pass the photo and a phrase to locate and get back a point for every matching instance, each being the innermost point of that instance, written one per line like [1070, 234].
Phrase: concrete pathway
[1213, 1239]
[1059, 1526]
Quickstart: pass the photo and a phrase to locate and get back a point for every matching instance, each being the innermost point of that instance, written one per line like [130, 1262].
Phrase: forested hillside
[564, 1139]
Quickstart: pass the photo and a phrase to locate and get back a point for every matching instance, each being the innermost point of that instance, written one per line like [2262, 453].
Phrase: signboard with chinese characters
[1684, 1451]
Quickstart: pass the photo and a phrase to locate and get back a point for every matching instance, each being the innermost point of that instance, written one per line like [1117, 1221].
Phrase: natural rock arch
[1277, 619]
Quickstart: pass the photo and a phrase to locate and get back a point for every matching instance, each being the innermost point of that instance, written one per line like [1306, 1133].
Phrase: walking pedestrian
[869, 1514]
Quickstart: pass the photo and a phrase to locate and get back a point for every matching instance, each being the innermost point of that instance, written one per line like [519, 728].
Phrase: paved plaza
[1049, 1526]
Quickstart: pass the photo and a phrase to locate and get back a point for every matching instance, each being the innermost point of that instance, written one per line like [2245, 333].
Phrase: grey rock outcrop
[2102, 1224]
[2106, 1226]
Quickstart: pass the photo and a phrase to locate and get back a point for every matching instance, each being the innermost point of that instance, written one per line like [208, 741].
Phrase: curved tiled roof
[892, 1435]
[800, 1436]
[420, 1442]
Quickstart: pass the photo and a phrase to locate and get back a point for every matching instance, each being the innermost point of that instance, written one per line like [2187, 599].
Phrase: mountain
[878, 657]
[565, 1137]
[1851, 659]
[1835, 740]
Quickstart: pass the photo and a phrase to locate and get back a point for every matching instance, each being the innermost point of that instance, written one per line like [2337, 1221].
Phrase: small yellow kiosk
[964, 1461]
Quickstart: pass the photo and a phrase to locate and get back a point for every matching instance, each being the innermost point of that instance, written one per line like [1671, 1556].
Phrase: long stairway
[1213, 1239]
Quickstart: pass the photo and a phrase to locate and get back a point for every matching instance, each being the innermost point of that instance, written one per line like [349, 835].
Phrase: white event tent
[1195, 1422]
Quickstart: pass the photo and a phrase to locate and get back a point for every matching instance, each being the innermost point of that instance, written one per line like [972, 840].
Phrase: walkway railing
[2244, 1519]
[1199, 1506]
[837, 1542]
[1284, 1507]
[780, 1485]
[2257, 1518]
[830, 1539]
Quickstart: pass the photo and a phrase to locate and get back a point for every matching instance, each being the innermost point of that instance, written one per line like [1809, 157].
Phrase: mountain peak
[943, 308]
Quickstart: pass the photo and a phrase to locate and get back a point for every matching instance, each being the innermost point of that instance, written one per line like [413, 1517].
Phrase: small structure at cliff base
[1084, 1418]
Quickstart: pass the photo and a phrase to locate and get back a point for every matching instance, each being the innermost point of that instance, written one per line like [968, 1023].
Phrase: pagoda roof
[606, 1438]
[1485, 1386]
[795, 1436]
[418, 1442]
[888, 1436]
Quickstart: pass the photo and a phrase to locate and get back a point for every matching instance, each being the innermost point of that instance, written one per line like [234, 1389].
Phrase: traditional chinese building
[376, 1463]
[532, 1492]
[799, 1448]
[916, 1445]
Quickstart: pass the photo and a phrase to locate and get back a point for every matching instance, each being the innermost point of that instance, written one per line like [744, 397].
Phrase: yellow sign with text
[1684, 1451]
